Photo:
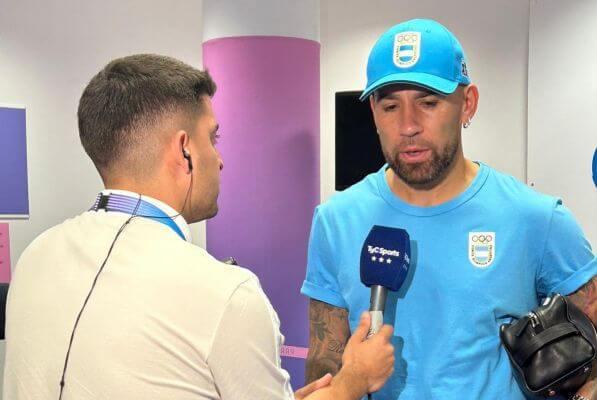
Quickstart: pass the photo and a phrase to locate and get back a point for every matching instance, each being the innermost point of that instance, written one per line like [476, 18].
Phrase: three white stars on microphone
[381, 259]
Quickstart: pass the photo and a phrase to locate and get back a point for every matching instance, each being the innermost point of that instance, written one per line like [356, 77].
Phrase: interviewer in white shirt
[116, 303]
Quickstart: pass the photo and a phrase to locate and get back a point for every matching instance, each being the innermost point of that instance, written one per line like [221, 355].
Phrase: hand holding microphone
[366, 366]
[369, 358]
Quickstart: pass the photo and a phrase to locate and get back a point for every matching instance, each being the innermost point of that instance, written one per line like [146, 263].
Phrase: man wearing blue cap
[485, 246]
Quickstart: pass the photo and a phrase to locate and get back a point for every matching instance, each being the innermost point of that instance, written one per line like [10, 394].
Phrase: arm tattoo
[585, 298]
[336, 346]
[328, 333]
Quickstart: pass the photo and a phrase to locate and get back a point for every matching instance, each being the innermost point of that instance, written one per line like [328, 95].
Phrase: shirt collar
[178, 220]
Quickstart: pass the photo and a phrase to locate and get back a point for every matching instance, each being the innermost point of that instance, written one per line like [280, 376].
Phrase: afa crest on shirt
[481, 248]
[407, 48]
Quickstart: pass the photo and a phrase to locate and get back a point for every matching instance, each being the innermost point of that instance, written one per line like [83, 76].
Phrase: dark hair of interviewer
[130, 97]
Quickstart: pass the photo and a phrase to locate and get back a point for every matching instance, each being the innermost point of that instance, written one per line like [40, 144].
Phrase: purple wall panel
[14, 199]
[267, 104]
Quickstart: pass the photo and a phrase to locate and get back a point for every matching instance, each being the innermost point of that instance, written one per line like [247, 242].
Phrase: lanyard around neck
[126, 204]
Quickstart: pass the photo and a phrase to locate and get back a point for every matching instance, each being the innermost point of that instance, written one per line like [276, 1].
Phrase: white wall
[494, 35]
[48, 52]
[288, 18]
[562, 104]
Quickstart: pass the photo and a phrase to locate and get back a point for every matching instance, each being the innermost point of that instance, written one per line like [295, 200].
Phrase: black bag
[551, 349]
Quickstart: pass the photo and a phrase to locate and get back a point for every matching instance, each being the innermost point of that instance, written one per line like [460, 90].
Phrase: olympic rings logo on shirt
[482, 238]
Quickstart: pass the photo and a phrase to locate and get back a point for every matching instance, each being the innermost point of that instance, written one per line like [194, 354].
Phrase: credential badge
[407, 47]
[481, 248]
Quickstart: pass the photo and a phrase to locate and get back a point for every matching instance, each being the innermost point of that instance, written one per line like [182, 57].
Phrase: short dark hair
[130, 97]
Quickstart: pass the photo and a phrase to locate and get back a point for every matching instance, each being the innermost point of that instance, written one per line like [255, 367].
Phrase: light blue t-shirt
[476, 261]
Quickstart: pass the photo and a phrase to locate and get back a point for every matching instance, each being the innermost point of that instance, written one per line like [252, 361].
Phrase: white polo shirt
[165, 321]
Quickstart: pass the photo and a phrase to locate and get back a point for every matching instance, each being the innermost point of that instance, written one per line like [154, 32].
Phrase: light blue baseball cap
[421, 52]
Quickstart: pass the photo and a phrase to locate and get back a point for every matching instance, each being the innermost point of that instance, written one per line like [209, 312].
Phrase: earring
[466, 124]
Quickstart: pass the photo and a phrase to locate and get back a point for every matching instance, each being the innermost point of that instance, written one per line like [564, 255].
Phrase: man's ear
[178, 147]
[469, 107]
[372, 101]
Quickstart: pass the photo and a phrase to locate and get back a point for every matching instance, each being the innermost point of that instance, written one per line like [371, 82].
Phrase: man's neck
[454, 183]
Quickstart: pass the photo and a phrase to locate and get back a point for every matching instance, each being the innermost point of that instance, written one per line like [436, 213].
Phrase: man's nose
[409, 122]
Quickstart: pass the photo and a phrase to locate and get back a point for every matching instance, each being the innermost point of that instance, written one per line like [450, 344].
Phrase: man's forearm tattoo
[328, 334]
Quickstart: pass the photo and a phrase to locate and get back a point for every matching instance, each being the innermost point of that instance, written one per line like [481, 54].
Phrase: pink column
[267, 104]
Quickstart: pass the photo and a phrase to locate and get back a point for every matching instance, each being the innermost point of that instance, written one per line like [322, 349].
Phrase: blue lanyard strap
[126, 204]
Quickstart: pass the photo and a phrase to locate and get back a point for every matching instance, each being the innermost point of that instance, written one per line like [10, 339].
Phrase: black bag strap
[547, 336]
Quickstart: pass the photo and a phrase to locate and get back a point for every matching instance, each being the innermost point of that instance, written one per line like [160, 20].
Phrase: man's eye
[389, 107]
[430, 103]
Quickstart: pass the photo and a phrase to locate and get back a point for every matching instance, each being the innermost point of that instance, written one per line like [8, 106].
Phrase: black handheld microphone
[385, 259]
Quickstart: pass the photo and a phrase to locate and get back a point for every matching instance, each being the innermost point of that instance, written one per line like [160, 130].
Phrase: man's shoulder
[158, 251]
[511, 195]
[47, 238]
[192, 255]
[513, 188]
[181, 259]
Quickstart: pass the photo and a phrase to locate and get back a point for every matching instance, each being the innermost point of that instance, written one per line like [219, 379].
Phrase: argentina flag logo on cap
[407, 48]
